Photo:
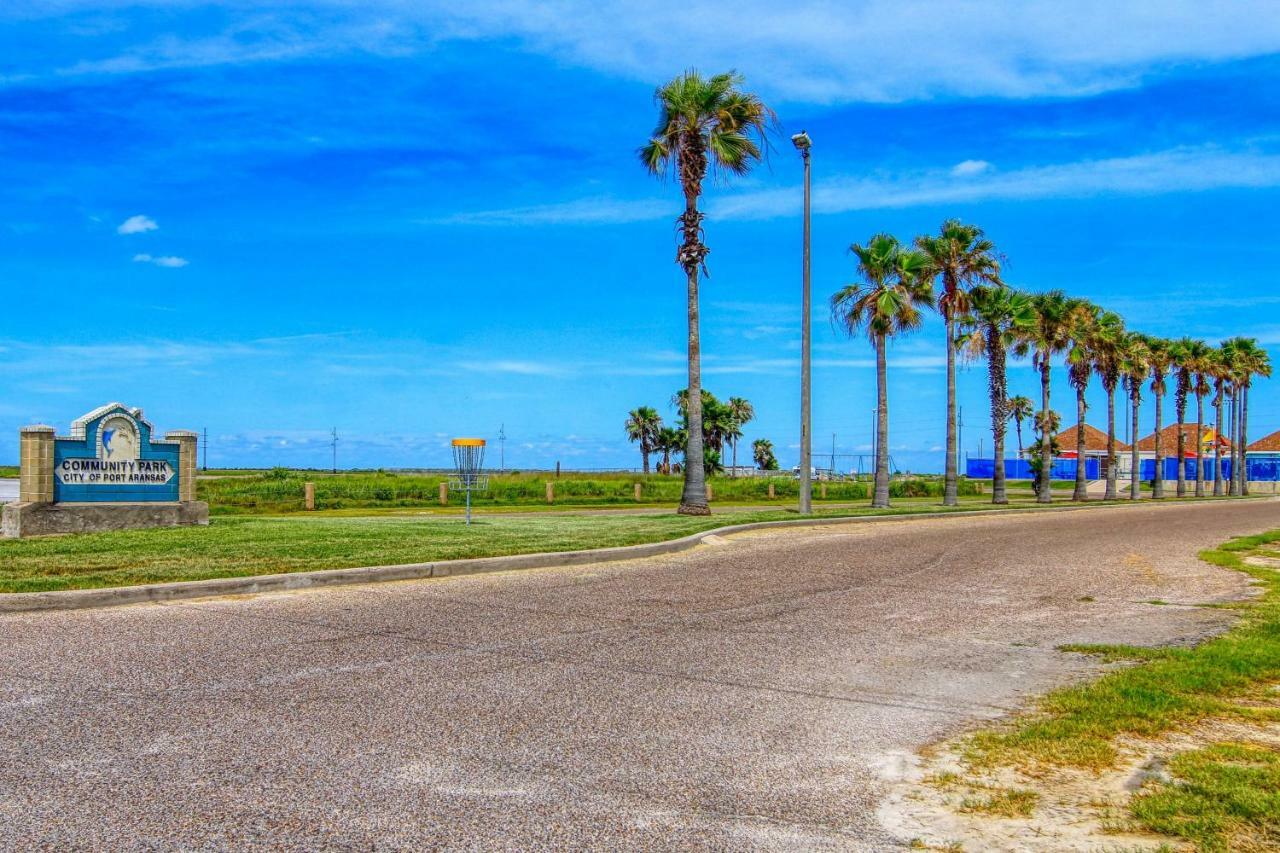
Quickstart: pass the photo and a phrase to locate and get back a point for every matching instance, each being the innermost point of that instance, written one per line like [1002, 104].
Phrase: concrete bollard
[637, 490]
[309, 495]
[444, 494]
[773, 493]
[551, 492]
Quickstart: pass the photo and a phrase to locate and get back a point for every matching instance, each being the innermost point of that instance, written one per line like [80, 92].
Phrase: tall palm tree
[964, 258]
[1220, 373]
[1109, 337]
[643, 425]
[1254, 361]
[703, 122]
[886, 303]
[1055, 315]
[997, 316]
[1080, 364]
[1183, 370]
[1135, 364]
[742, 412]
[1200, 360]
[1159, 360]
[1021, 409]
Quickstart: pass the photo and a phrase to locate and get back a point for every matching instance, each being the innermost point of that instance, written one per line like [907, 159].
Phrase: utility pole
[833, 454]
[802, 143]
[206, 448]
[502, 449]
[334, 444]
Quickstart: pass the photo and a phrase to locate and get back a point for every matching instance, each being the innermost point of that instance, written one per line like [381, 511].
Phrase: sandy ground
[764, 691]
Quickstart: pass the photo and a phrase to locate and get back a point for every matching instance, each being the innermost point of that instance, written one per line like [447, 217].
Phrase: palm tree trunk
[949, 488]
[1157, 485]
[998, 384]
[1181, 414]
[1135, 474]
[694, 499]
[1082, 487]
[1217, 447]
[1231, 451]
[644, 454]
[1199, 445]
[1046, 438]
[1112, 461]
[881, 498]
[1018, 421]
[1244, 440]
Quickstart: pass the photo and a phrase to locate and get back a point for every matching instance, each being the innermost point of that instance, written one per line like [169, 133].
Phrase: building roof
[1095, 440]
[1267, 443]
[1169, 439]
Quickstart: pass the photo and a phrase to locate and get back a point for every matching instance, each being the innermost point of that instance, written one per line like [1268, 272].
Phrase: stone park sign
[108, 474]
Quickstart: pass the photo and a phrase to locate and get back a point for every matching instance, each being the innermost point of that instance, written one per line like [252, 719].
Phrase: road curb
[26, 602]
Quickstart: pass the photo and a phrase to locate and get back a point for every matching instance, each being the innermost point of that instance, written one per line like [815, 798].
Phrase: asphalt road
[759, 692]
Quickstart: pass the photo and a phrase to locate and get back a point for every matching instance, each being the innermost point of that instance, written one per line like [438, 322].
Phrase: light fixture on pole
[802, 143]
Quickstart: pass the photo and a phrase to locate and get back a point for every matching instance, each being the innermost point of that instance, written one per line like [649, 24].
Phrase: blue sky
[416, 220]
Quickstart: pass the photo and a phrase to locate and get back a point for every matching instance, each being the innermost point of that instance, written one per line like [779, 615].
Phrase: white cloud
[171, 261]
[970, 167]
[1186, 169]
[137, 225]
[809, 50]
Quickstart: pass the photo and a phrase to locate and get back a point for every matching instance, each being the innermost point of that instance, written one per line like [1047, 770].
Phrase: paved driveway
[759, 692]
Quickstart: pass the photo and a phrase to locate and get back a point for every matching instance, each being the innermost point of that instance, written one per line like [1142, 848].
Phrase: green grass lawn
[8, 471]
[281, 491]
[250, 545]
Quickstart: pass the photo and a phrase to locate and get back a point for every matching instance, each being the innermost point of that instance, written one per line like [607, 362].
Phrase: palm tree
[1200, 360]
[1219, 371]
[1021, 409]
[702, 122]
[669, 440]
[643, 425]
[964, 258]
[1159, 358]
[895, 287]
[1055, 316]
[1135, 363]
[1108, 340]
[1080, 364]
[1181, 352]
[742, 412]
[997, 316]
[762, 453]
[1254, 361]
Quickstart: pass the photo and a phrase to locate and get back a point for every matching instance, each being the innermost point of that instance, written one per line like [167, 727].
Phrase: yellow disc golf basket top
[468, 463]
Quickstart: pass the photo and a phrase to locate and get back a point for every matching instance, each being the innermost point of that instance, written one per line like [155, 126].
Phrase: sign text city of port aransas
[91, 472]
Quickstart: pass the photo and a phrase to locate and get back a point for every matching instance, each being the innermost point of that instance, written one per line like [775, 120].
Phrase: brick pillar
[186, 462]
[35, 457]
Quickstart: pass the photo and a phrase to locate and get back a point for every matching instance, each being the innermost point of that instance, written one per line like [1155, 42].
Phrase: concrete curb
[76, 599]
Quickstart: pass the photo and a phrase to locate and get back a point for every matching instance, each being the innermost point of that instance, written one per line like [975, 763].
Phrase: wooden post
[772, 492]
[444, 494]
[822, 490]
[551, 492]
[637, 491]
[309, 493]
[709, 492]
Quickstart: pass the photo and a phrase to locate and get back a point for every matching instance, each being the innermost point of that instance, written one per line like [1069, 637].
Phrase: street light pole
[802, 143]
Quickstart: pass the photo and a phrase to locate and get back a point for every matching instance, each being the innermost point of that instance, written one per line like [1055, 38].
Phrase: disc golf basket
[468, 463]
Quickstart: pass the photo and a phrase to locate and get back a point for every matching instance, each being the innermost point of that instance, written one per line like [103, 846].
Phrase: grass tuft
[1006, 802]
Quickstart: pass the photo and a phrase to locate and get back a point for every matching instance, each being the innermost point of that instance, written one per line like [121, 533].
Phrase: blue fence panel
[1259, 470]
[1020, 469]
[1265, 470]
